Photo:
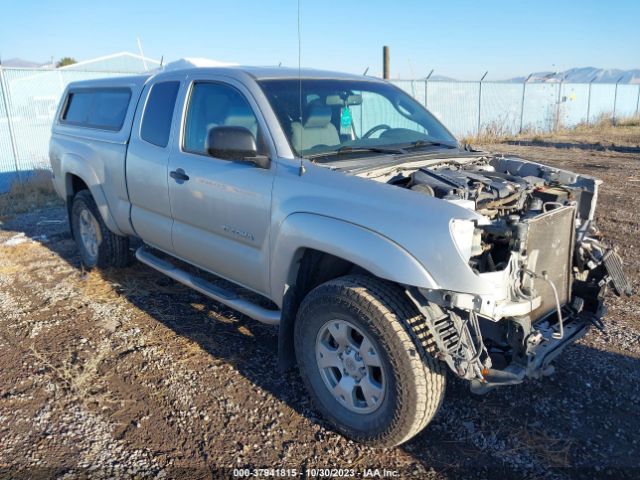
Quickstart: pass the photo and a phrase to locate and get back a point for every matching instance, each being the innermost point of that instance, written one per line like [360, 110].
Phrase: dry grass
[494, 132]
[555, 451]
[603, 132]
[80, 376]
[605, 121]
[629, 122]
[35, 192]
[600, 132]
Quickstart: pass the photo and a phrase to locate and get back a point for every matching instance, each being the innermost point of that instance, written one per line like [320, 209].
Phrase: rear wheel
[361, 363]
[98, 246]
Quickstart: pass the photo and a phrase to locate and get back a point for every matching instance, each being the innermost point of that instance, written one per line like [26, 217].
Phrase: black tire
[113, 250]
[416, 381]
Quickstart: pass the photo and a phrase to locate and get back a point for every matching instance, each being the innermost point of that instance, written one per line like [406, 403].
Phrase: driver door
[221, 209]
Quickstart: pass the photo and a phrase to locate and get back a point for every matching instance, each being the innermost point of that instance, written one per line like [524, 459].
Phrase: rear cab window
[99, 108]
[158, 113]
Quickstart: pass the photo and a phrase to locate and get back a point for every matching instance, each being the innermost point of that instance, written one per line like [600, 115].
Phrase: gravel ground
[128, 374]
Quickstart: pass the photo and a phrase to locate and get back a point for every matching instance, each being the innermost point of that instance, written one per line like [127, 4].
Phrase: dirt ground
[128, 374]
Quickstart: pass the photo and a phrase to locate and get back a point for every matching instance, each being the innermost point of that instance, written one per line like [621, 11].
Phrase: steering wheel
[375, 129]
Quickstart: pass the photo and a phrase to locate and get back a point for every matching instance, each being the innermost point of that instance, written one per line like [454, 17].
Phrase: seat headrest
[239, 115]
[319, 116]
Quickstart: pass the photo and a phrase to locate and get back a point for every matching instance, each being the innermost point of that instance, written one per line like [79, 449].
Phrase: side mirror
[235, 143]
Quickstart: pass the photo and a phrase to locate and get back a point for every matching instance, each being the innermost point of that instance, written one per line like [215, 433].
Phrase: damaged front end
[541, 253]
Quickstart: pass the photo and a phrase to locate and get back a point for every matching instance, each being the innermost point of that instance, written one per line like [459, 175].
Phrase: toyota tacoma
[341, 210]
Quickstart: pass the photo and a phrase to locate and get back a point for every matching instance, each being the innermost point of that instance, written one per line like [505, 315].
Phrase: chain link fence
[28, 102]
[29, 98]
[504, 108]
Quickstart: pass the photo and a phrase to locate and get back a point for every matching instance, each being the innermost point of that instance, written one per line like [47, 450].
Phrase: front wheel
[363, 367]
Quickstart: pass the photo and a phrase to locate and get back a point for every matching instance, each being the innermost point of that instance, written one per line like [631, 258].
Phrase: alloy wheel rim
[350, 366]
[89, 233]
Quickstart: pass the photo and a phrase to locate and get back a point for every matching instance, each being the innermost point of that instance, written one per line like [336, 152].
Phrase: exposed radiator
[550, 238]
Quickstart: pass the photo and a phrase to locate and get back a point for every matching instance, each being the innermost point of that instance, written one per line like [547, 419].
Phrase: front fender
[360, 246]
[72, 164]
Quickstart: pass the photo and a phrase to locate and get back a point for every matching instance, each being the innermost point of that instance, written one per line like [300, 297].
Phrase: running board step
[230, 299]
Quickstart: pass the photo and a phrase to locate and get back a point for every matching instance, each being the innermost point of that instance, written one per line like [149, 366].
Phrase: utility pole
[480, 100]
[385, 62]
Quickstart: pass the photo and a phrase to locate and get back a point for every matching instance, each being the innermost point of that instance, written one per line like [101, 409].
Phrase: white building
[124, 62]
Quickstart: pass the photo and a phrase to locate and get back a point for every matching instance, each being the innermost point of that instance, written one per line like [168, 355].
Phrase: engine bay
[537, 239]
[493, 190]
[507, 191]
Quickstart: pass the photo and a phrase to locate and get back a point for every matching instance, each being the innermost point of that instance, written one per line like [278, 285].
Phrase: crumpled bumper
[542, 347]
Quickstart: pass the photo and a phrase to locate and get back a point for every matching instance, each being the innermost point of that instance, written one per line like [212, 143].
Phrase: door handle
[179, 176]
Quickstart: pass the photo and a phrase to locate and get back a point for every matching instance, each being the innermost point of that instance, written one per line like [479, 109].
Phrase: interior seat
[317, 130]
[207, 112]
[242, 116]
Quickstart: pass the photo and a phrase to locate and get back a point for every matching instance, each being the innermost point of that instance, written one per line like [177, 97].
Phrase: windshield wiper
[350, 149]
[427, 143]
[398, 150]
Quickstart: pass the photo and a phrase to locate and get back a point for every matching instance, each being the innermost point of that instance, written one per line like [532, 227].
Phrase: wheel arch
[311, 249]
[79, 177]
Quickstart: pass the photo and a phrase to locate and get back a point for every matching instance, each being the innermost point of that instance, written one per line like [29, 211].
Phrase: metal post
[558, 104]
[480, 100]
[385, 62]
[4, 93]
[426, 88]
[589, 102]
[524, 89]
[615, 100]
[144, 60]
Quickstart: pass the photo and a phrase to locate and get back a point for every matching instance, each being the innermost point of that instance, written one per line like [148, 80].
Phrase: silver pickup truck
[338, 208]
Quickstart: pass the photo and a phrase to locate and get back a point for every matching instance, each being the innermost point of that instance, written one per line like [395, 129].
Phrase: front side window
[101, 108]
[213, 105]
[351, 113]
[158, 113]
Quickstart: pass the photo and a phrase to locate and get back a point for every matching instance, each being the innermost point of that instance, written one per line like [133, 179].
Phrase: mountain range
[584, 75]
[22, 63]
[572, 75]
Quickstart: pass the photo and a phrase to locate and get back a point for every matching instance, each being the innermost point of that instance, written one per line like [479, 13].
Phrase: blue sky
[461, 39]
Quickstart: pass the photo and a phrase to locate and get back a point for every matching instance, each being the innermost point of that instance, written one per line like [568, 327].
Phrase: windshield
[341, 116]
